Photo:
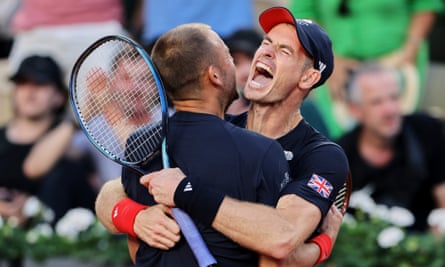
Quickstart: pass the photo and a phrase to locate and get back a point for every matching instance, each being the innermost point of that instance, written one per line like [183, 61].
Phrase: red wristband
[324, 241]
[124, 213]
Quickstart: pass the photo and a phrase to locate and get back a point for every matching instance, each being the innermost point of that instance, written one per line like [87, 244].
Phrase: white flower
[381, 212]
[64, 229]
[437, 218]
[390, 237]
[401, 217]
[32, 207]
[48, 215]
[40, 230]
[32, 237]
[44, 229]
[361, 199]
[75, 221]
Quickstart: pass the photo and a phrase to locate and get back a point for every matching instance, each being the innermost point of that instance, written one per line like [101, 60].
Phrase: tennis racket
[118, 98]
[342, 199]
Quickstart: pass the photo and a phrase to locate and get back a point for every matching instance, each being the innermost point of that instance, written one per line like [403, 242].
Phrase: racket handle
[194, 238]
[188, 227]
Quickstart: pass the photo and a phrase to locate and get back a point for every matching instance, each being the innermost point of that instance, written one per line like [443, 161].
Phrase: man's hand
[162, 184]
[156, 227]
[332, 223]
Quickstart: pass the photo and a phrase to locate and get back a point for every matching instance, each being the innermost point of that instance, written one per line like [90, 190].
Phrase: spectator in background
[242, 46]
[390, 31]
[62, 29]
[39, 99]
[225, 17]
[400, 158]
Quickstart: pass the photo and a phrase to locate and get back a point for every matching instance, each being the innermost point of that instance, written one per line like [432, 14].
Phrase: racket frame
[344, 194]
[162, 97]
[197, 244]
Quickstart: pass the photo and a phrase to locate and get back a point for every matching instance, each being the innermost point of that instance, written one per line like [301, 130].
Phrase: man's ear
[214, 75]
[310, 77]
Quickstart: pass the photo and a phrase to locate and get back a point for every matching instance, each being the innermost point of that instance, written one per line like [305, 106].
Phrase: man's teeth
[255, 84]
[264, 67]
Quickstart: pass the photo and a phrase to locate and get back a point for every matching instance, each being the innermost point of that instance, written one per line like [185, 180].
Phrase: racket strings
[119, 103]
[146, 139]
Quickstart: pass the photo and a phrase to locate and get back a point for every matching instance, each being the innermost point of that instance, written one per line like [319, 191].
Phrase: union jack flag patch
[320, 185]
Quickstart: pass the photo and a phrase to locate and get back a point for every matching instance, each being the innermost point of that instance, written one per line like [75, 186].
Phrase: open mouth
[262, 69]
[263, 75]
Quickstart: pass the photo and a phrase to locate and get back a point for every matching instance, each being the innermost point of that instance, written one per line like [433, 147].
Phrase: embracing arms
[270, 238]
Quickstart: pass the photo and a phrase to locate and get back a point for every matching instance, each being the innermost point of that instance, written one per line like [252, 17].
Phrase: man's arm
[420, 26]
[154, 225]
[269, 231]
[109, 195]
[273, 232]
[112, 192]
[307, 254]
[48, 150]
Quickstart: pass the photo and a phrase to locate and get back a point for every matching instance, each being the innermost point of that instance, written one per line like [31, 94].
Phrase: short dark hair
[181, 56]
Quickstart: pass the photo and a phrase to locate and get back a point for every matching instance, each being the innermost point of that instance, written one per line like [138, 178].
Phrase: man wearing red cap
[294, 57]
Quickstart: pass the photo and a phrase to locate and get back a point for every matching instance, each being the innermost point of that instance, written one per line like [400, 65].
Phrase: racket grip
[194, 238]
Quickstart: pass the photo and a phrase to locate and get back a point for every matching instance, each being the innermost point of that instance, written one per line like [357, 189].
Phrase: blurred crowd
[384, 104]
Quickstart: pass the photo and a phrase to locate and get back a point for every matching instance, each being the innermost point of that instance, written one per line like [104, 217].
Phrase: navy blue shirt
[242, 164]
[12, 156]
[313, 159]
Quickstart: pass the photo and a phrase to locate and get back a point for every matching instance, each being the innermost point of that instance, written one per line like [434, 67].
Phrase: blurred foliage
[357, 246]
[95, 244]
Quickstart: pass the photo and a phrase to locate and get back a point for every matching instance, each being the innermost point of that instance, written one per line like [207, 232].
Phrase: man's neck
[273, 121]
[375, 150]
[200, 106]
[25, 131]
